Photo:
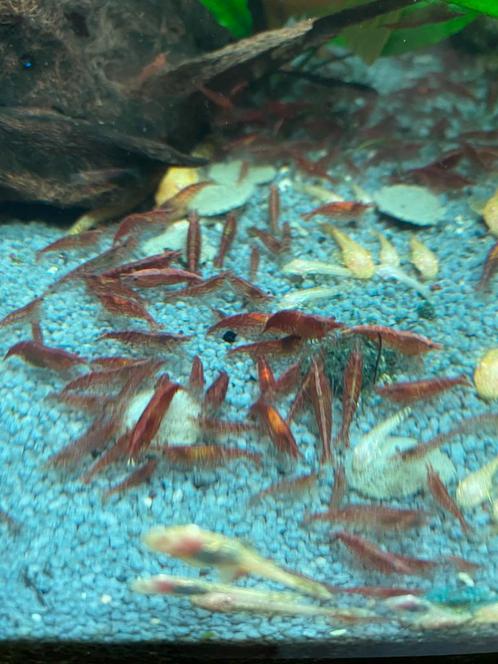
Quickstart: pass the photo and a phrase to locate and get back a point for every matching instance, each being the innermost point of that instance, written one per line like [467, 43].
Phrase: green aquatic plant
[336, 351]
[231, 14]
[487, 7]
[422, 24]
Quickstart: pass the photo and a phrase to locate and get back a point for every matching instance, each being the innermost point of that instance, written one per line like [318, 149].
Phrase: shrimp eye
[26, 61]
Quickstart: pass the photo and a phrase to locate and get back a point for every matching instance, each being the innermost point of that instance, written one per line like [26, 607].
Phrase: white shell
[410, 203]
[220, 198]
[175, 429]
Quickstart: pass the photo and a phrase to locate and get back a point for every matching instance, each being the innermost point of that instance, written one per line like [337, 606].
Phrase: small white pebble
[53, 269]
[338, 632]
[36, 617]
[106, 599]
[155, 621]
[466, 579]
[178, 496]
[296, 226]
[147, 501]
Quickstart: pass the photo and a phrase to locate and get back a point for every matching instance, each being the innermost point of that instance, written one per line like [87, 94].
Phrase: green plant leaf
[489, 7]
[408, 39]
[423, 24]
[234, 15]
[368, 39]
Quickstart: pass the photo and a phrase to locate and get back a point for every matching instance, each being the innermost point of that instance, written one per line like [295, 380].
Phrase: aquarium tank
[249, 328]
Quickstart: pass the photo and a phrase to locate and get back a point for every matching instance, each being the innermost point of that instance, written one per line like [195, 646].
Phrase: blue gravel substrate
[66, 573]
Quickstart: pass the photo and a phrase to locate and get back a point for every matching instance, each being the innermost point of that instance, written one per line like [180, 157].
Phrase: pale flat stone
[410, 203]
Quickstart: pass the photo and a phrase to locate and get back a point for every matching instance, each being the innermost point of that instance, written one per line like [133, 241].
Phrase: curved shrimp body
[356, 258]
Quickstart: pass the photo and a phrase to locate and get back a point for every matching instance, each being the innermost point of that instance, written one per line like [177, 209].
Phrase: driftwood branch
[255, 56]
[81, 132]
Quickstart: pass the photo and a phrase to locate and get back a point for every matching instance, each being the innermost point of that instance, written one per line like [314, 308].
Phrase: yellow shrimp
[356, 258]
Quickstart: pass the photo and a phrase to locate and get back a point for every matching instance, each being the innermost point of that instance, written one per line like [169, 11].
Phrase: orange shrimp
[194, 242]
[382, 560]
[353, 377]
[254, 321]
[307, 326]
[283, 346]
[227, 238]
[205, 456]
[293, 487]
[408, 343]
[273, 244]
[96, 436]
[156, 261]
[200, 288]
[28, 312]
[276, 427]
[490, 267]
[376, 517]
[411, 391]
[216, 392]
[71, 242]
[265, 376]
[245, 288]
[254, 262]
[161, 340]
[150, 420]
[441, 495]
[320, 393]
[45, 357]
[117, 304]
[138, 476]
[346, 210]
[274, 208]
[152, 277]
[196, 379]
